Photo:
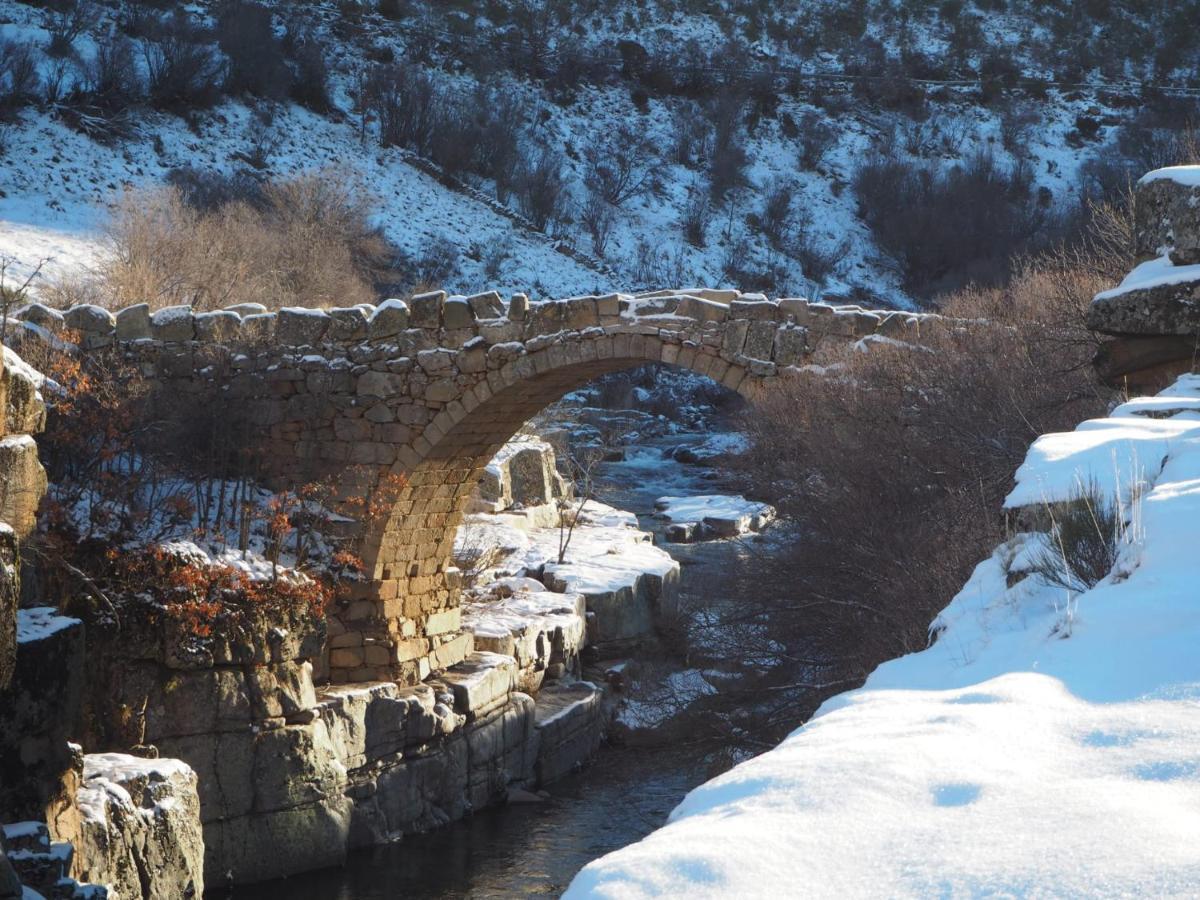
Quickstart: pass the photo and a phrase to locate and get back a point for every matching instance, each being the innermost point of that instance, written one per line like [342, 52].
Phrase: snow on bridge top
[756, 332]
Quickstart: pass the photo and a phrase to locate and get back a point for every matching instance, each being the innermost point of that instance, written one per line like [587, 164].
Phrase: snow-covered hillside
[1046, 744]
[560, 67]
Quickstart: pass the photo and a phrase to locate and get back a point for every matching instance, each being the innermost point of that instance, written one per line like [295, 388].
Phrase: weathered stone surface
[570, 725]
[172, 323]
[42, 316]
[216, 327]
[141, 831]
[38, 710]
[25, 411]
[22, 482]
[389, 319]
[349, 324]
[10, 596]
[133, 323]
[1167, 219]
[1169, 309]
[456, 313]
[89, 319]
[487, 305]
[425, 310]
[298, 326]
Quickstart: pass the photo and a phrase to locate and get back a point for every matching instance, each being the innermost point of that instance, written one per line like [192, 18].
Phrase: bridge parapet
[430, 389]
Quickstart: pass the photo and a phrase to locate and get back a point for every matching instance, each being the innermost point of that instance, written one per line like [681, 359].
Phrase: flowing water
[533, 849]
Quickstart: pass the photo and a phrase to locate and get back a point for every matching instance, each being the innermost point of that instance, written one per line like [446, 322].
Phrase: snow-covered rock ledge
[1045, 743]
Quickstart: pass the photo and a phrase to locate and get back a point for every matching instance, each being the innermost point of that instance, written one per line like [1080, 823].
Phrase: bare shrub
[776, 219]
[816, 139]
[598, 219]
[111, 76]
[246, 34]
[950, 227]
[310, 86]
[1085, 540]
[183, 71]
[19, 78]
[621, 170]
[893, 463]
[727, 157]
[541, 189]
[407, 104]
[305, 241]
[694, 218]
[66, 23]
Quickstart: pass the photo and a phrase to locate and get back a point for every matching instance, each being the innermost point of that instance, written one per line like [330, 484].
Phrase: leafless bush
[727, 158]
[776, 217]
[949, 227]
[541, 189]
[66, 23]
[692, 136]
[659, 267]
[598, 219]
[621, 170]
[183, 71]
[436, 265]
[310, 86]
[305, 241]
[406, 102]
[19, 79]
[694, 218]
[246, 34]
[894, 463]
[111, 77]
[816, 139]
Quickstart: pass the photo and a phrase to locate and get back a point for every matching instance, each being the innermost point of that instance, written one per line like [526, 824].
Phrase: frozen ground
[1046, 743]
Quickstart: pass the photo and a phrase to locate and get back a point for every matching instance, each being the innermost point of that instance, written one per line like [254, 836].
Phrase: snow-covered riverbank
[1045, 743]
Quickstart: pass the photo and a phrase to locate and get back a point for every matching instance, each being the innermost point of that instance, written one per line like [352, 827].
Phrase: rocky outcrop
[1167, 216]
[1154, 314]
[39, 710]
[22, 485]
[523, 474]
[140, 832]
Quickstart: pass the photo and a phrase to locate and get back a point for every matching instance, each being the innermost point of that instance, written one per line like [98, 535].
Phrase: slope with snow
[56, 185]
[1047, 743]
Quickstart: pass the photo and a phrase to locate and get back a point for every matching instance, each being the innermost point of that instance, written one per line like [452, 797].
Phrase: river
[533, 849]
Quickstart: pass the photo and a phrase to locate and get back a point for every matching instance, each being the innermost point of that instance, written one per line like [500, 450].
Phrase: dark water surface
[535, 849]
[519, 850]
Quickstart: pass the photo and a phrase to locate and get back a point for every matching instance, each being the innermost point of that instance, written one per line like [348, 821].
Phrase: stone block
[298, 326]
[172, 323]
[133, 322]
[216, 327]
[23, 483]
[1167, 219]
[425, 310]
[457, 313]
[390, 318]
[487, 305]
[444, 621]
[89, 319]
[350, 324]
[480, 681]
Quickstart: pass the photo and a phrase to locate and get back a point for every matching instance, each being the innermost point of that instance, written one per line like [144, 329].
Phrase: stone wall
[430, 390]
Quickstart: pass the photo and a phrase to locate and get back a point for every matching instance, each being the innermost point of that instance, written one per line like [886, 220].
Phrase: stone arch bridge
[431, 389]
